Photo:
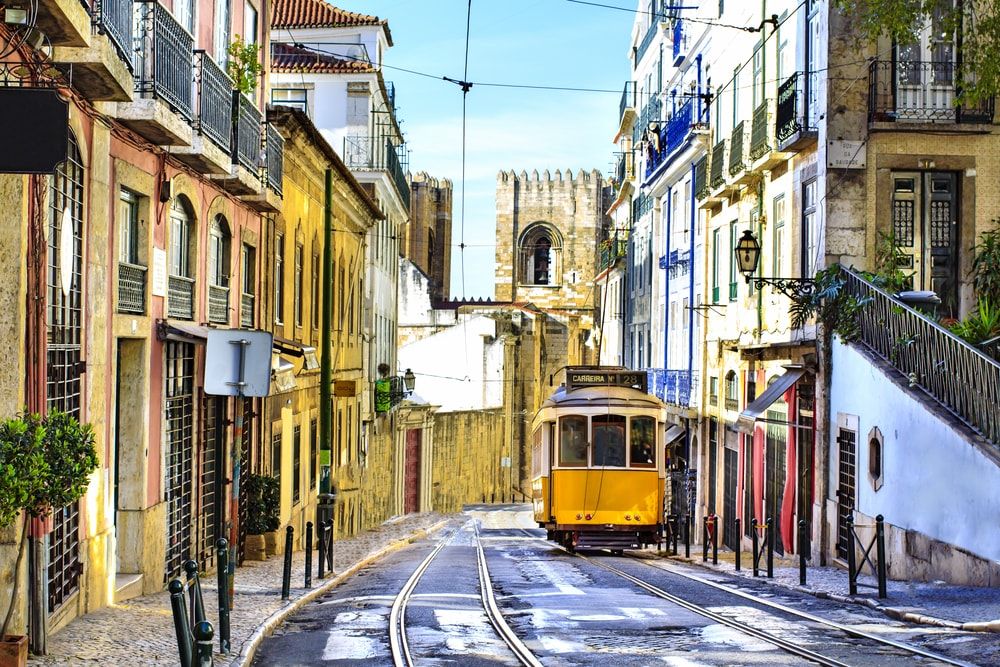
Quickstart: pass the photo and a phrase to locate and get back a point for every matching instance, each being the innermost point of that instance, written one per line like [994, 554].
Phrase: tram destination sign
[596, 377]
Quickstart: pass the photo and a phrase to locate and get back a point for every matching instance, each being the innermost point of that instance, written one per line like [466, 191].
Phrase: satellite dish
[67, 252]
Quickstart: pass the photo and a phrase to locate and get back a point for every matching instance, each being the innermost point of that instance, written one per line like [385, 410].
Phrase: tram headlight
[628, 517]
[579, 516]
[588, 517]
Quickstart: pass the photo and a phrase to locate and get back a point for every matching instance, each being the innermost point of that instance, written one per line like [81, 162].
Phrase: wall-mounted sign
[345, 388]
[36, 130]
[159, 278]
[846, 154]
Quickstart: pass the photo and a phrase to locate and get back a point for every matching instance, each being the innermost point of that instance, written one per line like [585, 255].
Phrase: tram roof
[601, 396]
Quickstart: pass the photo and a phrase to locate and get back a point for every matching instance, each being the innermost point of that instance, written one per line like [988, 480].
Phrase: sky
[528, 42]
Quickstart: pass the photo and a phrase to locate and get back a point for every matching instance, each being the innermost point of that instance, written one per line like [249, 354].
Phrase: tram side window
[609, 440]
[536, 453]
[573, 441]
[642, 442]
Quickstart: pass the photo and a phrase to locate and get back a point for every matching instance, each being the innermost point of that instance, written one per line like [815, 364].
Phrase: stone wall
[428, 236]
[469, 451]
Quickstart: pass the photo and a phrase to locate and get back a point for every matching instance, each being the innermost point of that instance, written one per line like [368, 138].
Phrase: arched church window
[539, 256]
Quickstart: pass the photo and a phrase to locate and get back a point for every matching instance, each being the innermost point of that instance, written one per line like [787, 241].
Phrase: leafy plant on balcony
[831, 304]
[986, 265]
[889, 258]
[45, 463]
[980, 325]
[244, 66]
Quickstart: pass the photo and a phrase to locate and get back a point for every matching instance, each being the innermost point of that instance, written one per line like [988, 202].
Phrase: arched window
[732, 391]
[181, 280]
[540, 256]
[430, 253]
[218, 269]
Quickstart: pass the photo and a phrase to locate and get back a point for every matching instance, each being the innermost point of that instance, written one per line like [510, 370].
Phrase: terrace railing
[760, 139]
[131, 288]
[378, 154]
[218, 304]
[116, 19]
[718, 176]
[164, 57]
[246, 132]
[246, 310]
[215, 101]
[180, 297]
[790, 116]
[274, 150]
[628, 99]
[701, 177]
[737, 163]
[921, 91]
[961, 378]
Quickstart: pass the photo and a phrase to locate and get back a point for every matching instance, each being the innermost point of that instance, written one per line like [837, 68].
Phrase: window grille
[845, 490]
[246, 446]
[213, 443]
[180, 436]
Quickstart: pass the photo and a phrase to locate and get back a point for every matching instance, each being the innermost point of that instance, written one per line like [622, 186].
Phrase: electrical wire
[692, 19]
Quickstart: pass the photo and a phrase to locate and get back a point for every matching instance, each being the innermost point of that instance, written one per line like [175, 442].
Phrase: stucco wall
[468, 456]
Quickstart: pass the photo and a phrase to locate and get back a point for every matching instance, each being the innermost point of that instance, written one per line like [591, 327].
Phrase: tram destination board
[577, 378]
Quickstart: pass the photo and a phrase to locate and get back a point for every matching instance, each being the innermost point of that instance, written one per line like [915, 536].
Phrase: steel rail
[398, 644]
[523, 654]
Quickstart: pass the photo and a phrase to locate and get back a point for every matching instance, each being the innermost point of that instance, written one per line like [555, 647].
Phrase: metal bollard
[677, 532]
[756, 548]
[321, 536]
[852, 569]
[329, 545]
[286, 570]
[715, 539]
[770, 548]
[309, 554]
[222, 555]
[880, 551]
[203, 634]
[739, 544]
[194, 592]
[687, 535]
[181, 628]
[704, 539]
[802, 552]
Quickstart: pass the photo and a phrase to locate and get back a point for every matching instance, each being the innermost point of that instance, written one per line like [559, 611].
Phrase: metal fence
[215, 101]
[274, 150]
[961, 378]
[247, 137]
[115, 19]
[246, 310]
[218, 304]
[628, 99]
[377, 153]
[718, 160]
[736, 150]
[180, 297]
[131, 288]
[921, 91]
[164, 62]
[760, 140]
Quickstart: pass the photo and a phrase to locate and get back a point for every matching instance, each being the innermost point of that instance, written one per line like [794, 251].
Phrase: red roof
[288, 58]
[320, 14]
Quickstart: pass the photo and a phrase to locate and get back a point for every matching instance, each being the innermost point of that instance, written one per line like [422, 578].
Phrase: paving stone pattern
[140, 631]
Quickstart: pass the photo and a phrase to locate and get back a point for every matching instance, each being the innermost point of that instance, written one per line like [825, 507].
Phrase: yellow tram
[598, 463]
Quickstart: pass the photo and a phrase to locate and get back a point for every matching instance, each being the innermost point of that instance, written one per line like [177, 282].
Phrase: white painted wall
[934, 481]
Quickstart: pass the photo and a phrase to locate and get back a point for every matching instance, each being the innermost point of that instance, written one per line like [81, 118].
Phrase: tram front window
[642, 442]
[609, 440]
[573, 441]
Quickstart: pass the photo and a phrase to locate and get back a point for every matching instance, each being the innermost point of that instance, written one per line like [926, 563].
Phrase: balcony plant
[986, 265]
[981, 325]
[244, 66]
[263, 495]
[45, 462]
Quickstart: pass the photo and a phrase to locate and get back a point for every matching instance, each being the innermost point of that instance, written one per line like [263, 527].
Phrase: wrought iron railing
[215, 101]
[701, 177]
[641, 205]
[674, 386]
[628, 99]
[732, 404]
[961, 378]
[922, 91]
[718, 177]
[246, 310]
[131, 288]
[389, 392]
[376, 153]
[736, 145]
[274, 150]
[760, 139]
[116, 19]
[180, 297]
[647, 39]
[679, 42]
[164, 57]
[671, 137]
[613, 249]
[218, 304]
[791, 117]
[246, 132]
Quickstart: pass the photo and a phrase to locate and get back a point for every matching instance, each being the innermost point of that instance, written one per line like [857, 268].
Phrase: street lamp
[748, 257]
[409, 380]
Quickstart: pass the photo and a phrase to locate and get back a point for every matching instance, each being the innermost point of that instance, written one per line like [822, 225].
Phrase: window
[538, 257]
[179, 240]
[221, 34]
[732, 391]
[297, 286]
[715, 265]
[184, 13]
[296, 463]
[783, 53]
[276, 455]
[573, 441]
[128, 216]
[875, 449]
[315, 289]
[297, 98]
[314, 453]
[218, 252]
[810, 231]
[778, 238]
[713, 390]
[249, 23]
[279, 278]
[642, 442]
[248, 268]
[733, 285]
[609, 440]
[758, 75]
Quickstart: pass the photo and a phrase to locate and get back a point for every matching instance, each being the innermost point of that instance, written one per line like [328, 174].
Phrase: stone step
[127, 586]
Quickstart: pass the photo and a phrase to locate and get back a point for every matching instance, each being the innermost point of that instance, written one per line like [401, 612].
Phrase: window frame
[654, 432]
[128, 207]
[610, 419]
[279, 278]
[297, 285]
[809, 246]
[586, 442]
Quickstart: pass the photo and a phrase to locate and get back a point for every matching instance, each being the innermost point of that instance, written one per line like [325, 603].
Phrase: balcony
[676, 262]
[131, 288]
[737, 152]
[792, 126]
[671, 138]
[701, 178]
[389, 392]
[717, 175]
[674, 386]
[244, 176]
[732, 404]
[366, 153]
[218, 304]
[679, 42]
[641, 205]
[763, 146]
[650, 115]
[180, 297]
[246, 310]
[613, 249]
[102, 65]
[626, 108]
[269, 199]
[164, 70]
[213, 121]
[961, 378]
[918, 92]
[647, 40]
[65, 22]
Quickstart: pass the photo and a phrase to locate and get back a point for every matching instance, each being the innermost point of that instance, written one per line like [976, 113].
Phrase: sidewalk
[140, 631]
[966, 608]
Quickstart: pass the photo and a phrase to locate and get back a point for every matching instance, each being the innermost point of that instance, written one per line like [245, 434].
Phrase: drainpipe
[666, 289]
[687, 437]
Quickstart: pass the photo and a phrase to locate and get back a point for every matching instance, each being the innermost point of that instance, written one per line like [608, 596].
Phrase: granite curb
[891, 612]
[277, 618]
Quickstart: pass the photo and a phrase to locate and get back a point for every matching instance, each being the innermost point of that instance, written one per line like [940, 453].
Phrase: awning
[282, 375]
[183, 332]
[310, 361]
[776, 390]
[673, 433]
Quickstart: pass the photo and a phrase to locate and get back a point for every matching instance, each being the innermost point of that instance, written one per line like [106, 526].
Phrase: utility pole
[324, 509]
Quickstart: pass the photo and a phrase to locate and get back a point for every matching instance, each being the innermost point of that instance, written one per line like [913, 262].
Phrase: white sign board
[505, 462]
[846, 154]
[159, 280]
[223, 351]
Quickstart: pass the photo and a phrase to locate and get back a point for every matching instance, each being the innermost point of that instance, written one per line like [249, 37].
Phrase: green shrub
[980, 325]
[263, 504]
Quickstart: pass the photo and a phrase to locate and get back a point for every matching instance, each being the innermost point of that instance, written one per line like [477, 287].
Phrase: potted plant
[45, 462]
[263, 508]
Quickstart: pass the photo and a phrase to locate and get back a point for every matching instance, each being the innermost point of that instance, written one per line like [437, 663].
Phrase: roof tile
[289, 58]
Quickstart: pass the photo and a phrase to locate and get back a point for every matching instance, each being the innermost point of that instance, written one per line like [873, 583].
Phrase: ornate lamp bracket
[796, 289]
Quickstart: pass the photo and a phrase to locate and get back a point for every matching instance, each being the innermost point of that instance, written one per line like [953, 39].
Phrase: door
[411, 502]
[925, 71]
[729, 536]
[847, 442]
[211, 466]
[925, 228]
[804, 439]
[774, 489]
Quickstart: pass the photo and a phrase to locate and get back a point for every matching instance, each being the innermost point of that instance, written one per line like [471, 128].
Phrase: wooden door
[411, 499]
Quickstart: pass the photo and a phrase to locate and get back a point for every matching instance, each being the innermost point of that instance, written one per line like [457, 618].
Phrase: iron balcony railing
[647, 39]
[246, 310]
[379, 154]
[274, 150]
[732, 404]
[737, 163]
[215, 101]
[628, 99]
[246, 132]
[641, 205]
[613, 249]
[921, 91]
[164, 62]
[718, 176]
[131, 288]
[760, 139]
[218, 304]
[961, 378]
[650, 114]
[679, 42]
[180, 297]
[671, 137]
[701, 177]
[791, 117]
[116, 19]
[389, 392]
[390, 91]
[674, 386]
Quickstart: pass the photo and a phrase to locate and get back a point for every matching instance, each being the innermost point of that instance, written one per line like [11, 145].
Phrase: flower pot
[275, 543]
[14, 651]
[255, 548]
